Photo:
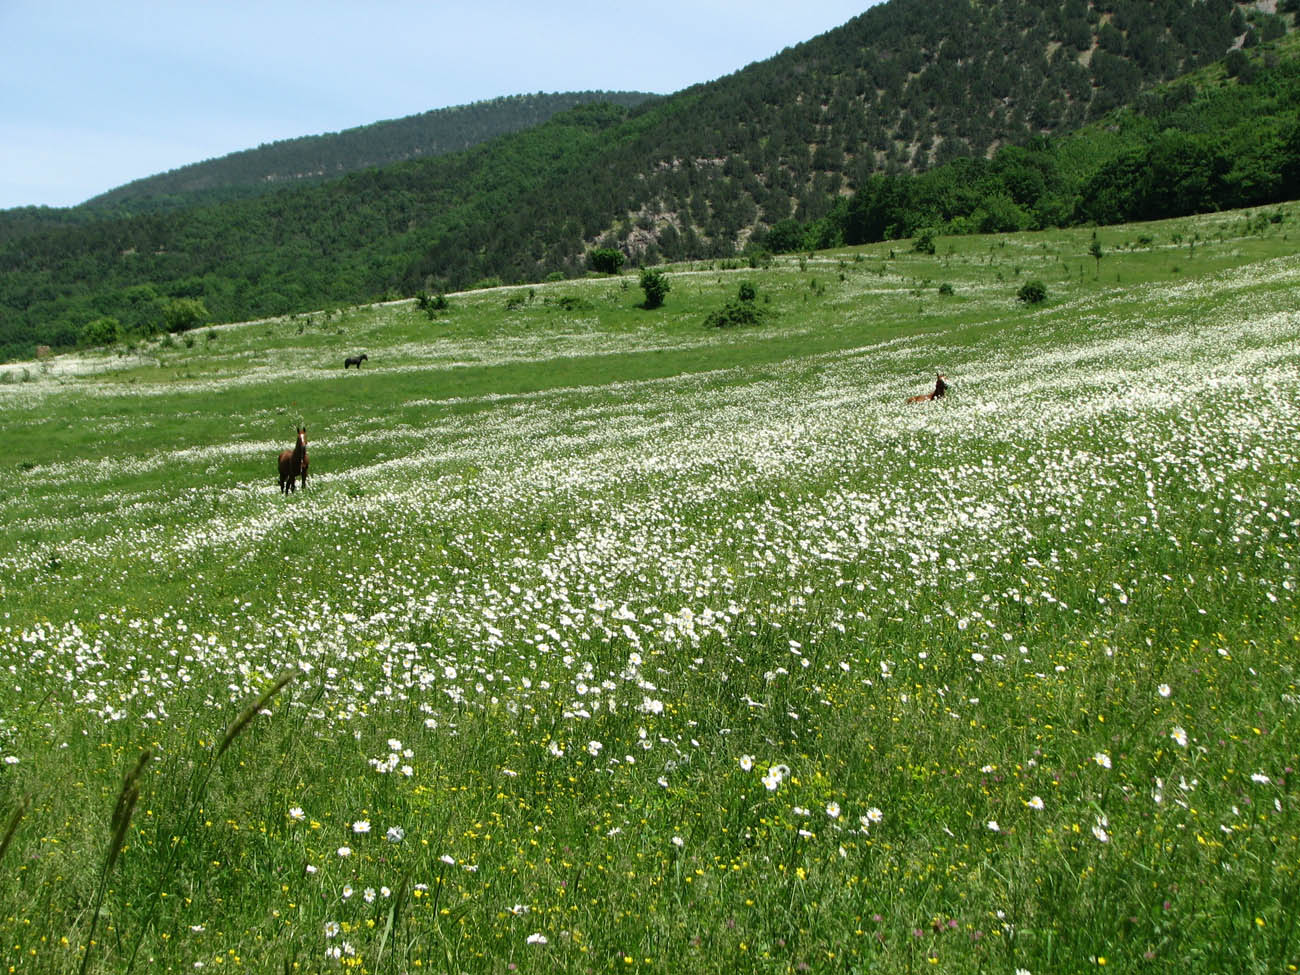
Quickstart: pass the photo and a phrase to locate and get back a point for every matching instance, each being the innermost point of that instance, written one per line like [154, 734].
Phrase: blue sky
[96, 93]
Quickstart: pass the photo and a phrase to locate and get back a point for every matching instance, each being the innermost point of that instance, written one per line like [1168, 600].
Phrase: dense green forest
[953, 115]
[313, 159]
[316, 158]
[1184, 148]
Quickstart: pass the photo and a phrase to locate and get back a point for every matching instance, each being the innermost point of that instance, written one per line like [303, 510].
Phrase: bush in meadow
[741, 310]
[1032, 292]
[184, 314]
[606, 260]
[655, 285]
[101, 331]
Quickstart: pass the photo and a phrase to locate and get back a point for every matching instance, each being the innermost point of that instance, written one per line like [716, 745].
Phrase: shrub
[786, 236]
[183, 314]
[102, 331]
[924, 243]
[606, 260]
[655, 285]
[945, 288]
[740, 310]
[432, 303]
[1238, 65]
[1032, 292]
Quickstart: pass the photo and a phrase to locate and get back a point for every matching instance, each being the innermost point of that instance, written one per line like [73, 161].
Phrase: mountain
[918, 113]
[311, 159]
[316, 158]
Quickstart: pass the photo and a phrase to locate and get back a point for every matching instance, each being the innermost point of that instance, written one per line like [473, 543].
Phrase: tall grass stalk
[195, 799]
[118, 825]
[12, 826]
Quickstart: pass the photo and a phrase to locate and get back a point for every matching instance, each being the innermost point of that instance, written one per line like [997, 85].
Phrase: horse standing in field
[940, 387]
[293, 463]
[354, 360]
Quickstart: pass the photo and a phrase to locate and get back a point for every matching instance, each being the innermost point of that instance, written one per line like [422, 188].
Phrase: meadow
[604, 640]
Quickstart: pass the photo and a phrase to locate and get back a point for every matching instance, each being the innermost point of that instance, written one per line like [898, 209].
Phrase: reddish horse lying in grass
[293, 463]
[940, 387]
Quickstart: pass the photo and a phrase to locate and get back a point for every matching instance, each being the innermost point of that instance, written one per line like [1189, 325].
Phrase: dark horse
[355, 360]
[293, 463]
[940, 387]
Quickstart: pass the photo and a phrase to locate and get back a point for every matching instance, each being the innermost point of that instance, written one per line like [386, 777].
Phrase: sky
[96, 93]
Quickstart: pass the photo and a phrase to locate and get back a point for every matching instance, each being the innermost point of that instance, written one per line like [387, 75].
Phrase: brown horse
[293, 463]
[940, 387]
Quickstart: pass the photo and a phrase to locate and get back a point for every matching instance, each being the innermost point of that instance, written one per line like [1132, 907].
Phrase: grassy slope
[939, 613]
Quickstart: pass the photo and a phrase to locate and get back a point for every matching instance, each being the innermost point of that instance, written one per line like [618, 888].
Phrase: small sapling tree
[655, 285]
[1095, 250]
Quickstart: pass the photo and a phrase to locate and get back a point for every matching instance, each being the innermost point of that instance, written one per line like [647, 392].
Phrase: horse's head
[940, 386]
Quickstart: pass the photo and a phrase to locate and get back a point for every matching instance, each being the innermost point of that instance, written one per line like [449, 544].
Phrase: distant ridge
[315, 158]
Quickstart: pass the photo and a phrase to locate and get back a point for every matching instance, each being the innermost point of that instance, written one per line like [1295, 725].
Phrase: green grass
[704, 652]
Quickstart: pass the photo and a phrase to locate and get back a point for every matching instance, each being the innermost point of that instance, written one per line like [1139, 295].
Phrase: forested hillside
[316, 158]
[311, 159]
[952, 115]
